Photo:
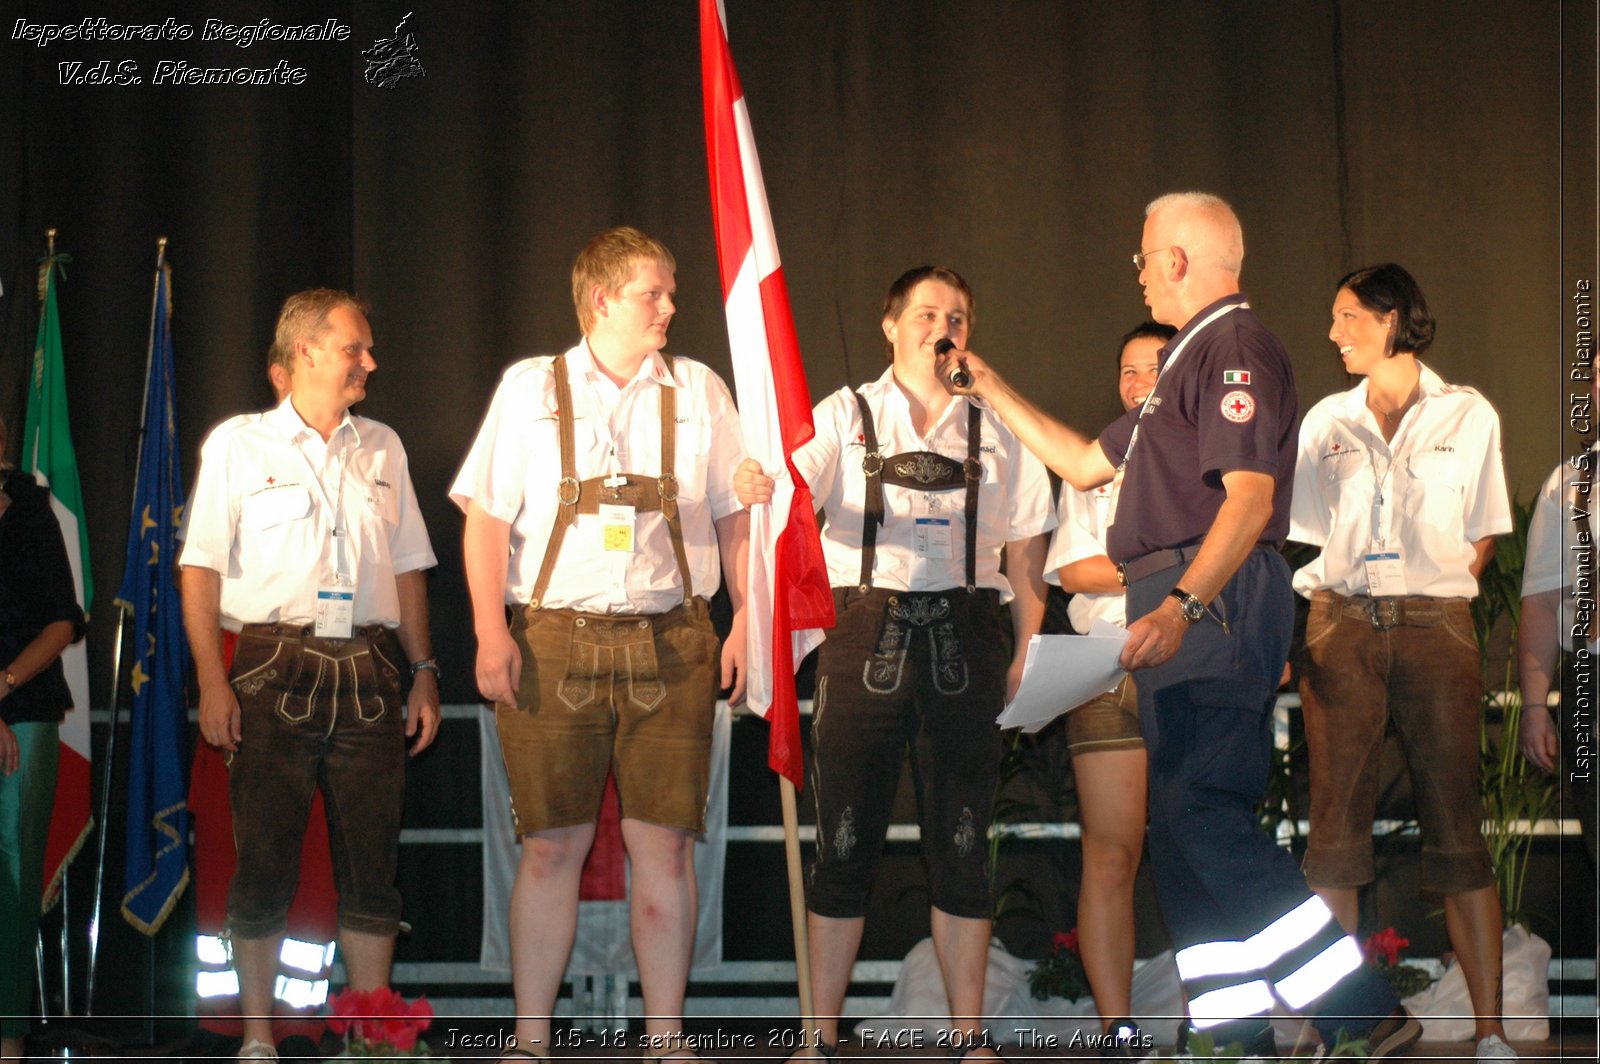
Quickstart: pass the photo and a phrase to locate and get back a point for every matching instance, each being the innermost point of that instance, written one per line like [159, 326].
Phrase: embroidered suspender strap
[872, 506]
[568, 490]
[668, 482]
[974, 471]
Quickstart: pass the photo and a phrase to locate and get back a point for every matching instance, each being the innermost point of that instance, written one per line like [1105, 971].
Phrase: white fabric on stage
[604, 944]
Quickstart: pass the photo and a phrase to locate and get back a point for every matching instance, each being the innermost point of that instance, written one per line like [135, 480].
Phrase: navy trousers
[1206, 718]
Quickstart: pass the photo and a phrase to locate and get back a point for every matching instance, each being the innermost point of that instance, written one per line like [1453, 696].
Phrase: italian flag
[47, 453]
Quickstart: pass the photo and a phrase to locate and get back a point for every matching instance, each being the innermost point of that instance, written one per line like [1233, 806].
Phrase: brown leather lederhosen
[918, 470]
[625, 692]
[644, 494]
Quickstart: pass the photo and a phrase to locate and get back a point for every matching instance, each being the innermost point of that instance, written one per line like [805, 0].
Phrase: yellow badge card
[616, 523]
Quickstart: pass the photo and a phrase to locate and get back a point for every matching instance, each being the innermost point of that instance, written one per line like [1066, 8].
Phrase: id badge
[1386, 575]
[336, 611]
[616, 527]
[930, 537]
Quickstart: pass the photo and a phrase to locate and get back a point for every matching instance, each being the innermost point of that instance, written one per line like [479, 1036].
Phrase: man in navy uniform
[1208, 470]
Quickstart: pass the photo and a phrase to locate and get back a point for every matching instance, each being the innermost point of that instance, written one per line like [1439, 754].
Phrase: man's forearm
[412, 588]
[486, 554]
[1076, 459]
[1233, 535]
[733, 545]
[202, 622]
[1025, 572]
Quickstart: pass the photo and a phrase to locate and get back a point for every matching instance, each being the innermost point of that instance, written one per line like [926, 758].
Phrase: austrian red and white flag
[788, 598]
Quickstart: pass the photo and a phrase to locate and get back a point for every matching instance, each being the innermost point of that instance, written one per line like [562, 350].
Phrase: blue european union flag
[157, 866]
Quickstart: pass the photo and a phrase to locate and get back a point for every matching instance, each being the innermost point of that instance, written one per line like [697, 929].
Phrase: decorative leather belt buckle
[1384, 613]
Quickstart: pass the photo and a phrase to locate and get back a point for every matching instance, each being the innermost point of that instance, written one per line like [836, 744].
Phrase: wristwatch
[1193, 609]
[9, 678]
[425, 665]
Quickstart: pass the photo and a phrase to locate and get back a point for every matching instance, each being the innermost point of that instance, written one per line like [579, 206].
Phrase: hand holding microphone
[957, 374]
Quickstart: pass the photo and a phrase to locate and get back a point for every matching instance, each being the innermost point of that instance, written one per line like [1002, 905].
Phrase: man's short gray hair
[304, 316]
[1215, 227]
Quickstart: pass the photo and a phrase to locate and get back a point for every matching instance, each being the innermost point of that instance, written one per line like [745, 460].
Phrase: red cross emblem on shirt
[1238, 406]
[272, 480]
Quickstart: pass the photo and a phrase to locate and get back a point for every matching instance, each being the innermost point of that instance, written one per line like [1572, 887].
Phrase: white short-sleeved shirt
[261, 515]
[514, 466]
[1551, 563]
[1080, 534]
[1444, 488]
[1013, 497]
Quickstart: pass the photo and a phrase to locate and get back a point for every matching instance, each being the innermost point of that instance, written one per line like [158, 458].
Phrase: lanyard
[1172, 360]
[1380, 535]
[1380, 497]
[335, 503]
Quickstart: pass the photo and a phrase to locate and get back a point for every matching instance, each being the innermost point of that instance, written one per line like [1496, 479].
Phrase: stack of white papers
[1062, 672]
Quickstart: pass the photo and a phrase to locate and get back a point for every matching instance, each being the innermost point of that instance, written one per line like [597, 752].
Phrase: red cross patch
[1238, 406]
[272, 480]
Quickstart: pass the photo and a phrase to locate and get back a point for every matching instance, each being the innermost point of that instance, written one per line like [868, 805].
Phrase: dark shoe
[204, 1046]
[299, 1047]
[1124, 1041]
[1393, 1035]
[960, 1051]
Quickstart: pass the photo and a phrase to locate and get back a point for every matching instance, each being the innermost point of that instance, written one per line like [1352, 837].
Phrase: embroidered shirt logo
[1235, 376]
[1340, 449]
[1238, 407]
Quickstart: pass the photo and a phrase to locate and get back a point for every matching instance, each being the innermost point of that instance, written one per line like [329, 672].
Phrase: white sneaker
[1493, 1047]
[256, 1049]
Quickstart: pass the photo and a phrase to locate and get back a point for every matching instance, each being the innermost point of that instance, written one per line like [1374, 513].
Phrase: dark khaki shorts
[1106, 722]
[1424, 676]
[635, 694]
[326, 713]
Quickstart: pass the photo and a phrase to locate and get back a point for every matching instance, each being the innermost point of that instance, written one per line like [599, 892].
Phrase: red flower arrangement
[1387, 943]
[1061, 974]
[380, 1023]
[1382, 950]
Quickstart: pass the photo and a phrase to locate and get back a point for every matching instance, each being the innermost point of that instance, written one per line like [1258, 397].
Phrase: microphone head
[944, 346]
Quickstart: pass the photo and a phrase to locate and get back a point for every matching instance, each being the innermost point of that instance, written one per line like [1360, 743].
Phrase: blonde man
[599, 506]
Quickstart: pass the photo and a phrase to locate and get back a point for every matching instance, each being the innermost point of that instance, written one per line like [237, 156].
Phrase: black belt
[1132, 572]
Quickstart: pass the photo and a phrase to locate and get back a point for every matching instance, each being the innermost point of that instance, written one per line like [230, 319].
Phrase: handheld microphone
[959, 377]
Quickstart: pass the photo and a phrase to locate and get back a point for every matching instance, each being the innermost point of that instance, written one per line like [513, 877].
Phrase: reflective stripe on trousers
[1302, 955]
[302, 983]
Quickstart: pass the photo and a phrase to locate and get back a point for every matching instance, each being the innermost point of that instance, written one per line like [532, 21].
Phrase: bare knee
[1109, 865]
[658, 852]
[554, 853]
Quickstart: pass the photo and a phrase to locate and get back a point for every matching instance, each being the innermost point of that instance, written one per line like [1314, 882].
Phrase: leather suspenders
[922, 470]
[643, 493]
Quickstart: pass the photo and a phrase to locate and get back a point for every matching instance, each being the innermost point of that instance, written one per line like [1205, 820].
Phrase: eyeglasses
[1140, 258]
